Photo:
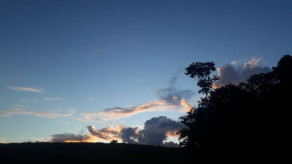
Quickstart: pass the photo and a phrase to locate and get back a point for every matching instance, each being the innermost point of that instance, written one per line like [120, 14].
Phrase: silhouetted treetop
[284, 69]
[202, 71]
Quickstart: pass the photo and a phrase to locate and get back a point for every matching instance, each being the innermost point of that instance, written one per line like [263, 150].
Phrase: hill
[90, 153]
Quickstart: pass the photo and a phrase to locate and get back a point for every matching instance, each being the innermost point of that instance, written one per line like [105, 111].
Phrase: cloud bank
[236, 72]
[26, 89]
[155, 132]
[21, 111]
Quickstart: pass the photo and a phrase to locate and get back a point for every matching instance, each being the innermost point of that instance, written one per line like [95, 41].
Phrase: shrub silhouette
[114, 142]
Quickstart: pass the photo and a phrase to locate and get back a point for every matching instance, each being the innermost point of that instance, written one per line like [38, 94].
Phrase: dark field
[90, 153]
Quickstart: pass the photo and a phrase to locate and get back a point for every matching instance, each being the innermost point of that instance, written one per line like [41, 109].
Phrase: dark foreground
[90, 153]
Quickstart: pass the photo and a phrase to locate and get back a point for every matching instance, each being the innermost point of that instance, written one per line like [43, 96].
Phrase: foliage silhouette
[202, 71]
[114, 142]
[249, 117]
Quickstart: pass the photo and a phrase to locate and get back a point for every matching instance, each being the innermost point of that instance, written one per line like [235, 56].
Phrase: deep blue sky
[92, 55]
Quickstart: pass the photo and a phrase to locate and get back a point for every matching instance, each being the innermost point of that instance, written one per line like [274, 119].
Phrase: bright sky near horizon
[66, 64]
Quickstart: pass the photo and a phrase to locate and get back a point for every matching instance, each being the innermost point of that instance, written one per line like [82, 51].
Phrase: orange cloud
[89, 138]
[106, 134]
[254, 62]
[172, 134]
[68, 137]
[186, 105]
[125, 112]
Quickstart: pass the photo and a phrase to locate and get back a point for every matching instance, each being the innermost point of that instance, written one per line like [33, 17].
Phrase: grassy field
[90, 153]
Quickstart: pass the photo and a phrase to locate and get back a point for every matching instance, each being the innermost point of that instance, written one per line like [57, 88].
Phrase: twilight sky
[109, 66]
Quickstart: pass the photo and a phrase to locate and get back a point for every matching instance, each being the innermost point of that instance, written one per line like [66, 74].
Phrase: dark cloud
[67, 137]
[235, 72]
[173, 96]
[155, 130]
[129, 135]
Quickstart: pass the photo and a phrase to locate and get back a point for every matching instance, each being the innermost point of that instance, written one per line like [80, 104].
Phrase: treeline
[243, 121]
[89, 153]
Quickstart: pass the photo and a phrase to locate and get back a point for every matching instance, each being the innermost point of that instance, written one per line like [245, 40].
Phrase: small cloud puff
[52, 99]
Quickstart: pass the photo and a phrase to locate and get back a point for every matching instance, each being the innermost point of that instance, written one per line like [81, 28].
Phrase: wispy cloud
[176, 96]
[169, 98]
[91, 98]
[21, 111]
[23, 100]
[52, 99]
[26, 89]
[125, 112]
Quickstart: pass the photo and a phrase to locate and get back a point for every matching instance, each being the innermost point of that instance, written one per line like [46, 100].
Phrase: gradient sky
[60, 59]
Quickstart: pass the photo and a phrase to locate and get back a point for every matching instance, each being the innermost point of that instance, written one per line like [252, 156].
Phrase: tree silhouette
[202, 71]
[244, 119]
[191, 135]
[114, 141]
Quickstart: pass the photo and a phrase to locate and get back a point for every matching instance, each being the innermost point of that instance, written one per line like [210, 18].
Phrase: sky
[114, 69]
